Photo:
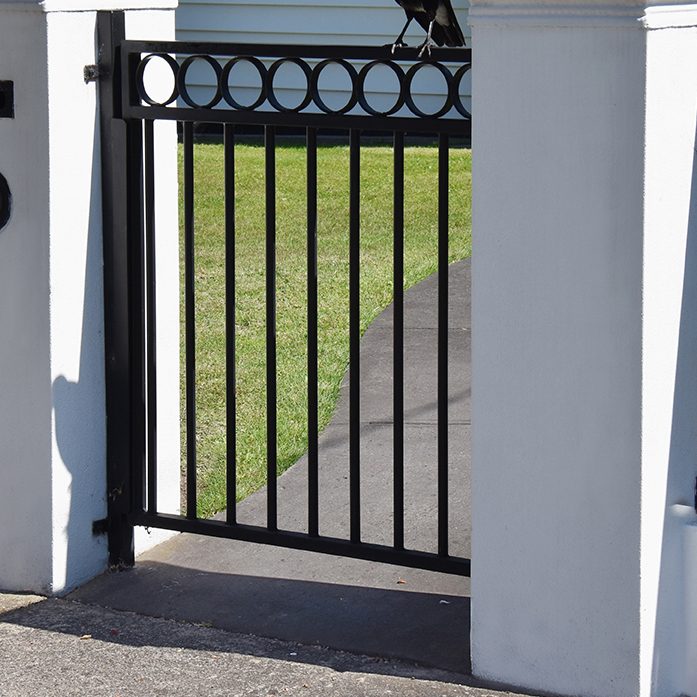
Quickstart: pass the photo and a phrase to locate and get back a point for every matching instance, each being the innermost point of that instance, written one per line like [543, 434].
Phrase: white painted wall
[52, 410]
[689, 598]
[669, 418]
[75, 302]
[311, 22]
[25, 371]
[584, 344]
[157, 25]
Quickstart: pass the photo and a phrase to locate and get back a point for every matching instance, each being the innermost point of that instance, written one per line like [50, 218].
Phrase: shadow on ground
[402, 617]
[431, 629]
[386, 625]
[60, 646]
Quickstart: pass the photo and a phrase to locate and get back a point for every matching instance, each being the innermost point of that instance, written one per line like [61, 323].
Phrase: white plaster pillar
[584, 344]
[52, 401]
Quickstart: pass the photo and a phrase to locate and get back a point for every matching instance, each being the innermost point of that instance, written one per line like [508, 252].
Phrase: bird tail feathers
[452, 34]
[448, 35]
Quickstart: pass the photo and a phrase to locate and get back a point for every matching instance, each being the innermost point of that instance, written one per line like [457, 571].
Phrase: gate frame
[125, 258]
[118, 301]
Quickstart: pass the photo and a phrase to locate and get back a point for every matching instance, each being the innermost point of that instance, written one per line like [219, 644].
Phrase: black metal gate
[127, 116]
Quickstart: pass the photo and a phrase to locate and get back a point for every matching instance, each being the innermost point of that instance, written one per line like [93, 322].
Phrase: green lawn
[376, 288]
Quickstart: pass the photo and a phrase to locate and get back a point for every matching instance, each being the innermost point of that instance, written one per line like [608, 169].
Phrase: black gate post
[117, 336]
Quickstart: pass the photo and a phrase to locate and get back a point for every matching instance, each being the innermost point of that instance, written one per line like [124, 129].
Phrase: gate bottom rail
[298, 540]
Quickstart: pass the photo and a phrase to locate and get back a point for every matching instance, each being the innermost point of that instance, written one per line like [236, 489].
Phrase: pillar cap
[638, 14]
[85, 5]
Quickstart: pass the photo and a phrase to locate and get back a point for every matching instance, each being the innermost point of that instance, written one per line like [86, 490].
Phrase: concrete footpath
[348, 604]
[217, 617]
[58, 647]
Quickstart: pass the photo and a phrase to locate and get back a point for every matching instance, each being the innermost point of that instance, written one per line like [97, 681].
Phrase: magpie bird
[437, 18]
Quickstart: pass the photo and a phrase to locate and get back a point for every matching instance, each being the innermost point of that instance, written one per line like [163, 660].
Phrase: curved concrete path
[420, 433]
[348, 604]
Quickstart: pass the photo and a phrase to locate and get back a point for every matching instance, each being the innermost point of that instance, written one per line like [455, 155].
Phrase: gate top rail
[224, 106]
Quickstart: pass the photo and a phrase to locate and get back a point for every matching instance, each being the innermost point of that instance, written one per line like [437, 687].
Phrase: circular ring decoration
[411, 74]
[314, 86]
[271, 95]
[140, 83]
[397, 70]
[181, 81]
[455, 87]
[5, 202]
[225, 87]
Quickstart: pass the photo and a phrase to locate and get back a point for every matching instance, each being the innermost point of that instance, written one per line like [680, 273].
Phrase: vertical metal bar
[271, 470]
[151, 315]
[354, 334]
[230, 373]
[398, 342]
[190, 319]
[312, 398]
[136, 283]
[110, 34]
[443, 160]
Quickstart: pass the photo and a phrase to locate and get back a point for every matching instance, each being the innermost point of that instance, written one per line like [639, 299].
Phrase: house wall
[312, 22]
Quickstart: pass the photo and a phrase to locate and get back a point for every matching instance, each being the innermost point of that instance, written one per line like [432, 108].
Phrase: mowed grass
[421, 222]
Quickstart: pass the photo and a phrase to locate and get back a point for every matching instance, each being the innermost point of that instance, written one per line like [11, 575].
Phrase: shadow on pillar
[669, 660]
[79, 409]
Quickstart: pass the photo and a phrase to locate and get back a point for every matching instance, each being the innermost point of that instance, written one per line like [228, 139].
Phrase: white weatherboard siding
[308, 22]
[311, 22]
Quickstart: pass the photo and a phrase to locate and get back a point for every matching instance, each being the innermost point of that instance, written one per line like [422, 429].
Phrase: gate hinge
[100, 527]
[91, 73]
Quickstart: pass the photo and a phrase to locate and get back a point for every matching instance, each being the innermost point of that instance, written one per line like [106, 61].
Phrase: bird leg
[398, 41]
[426, 45]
